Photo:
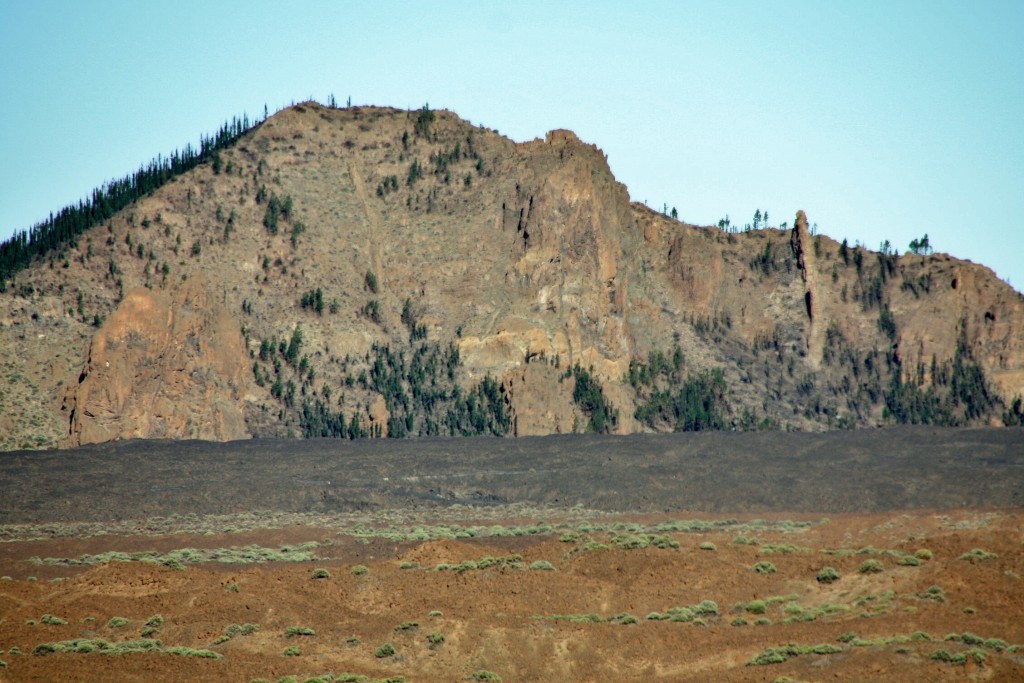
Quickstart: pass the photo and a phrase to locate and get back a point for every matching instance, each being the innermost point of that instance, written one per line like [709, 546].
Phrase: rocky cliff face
[336, 250]
[162, 367]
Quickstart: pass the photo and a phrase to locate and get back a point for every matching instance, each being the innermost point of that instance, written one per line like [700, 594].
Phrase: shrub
[435, 613]
[756, 607]
[708, 545]
[360, 570]
[763, 621]
[407, 626]
[191, 652]
[977, 554]
[353, 641]
[828, 575]
[293, 631]
[484, 675]
[292, 651]
[321, 574]
[52, 620]
[435, 639]
[385, 650]
[869, 567]
[847, 637]
[155, 621]
[923, 554]
[740, 621]
[543, 565]
[241, 630]
[117, 622]
[409, 565]
[764, 568]
[909, 561]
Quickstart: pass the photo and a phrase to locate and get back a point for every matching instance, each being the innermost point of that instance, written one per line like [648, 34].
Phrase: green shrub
[51, 620]
[920, 636]
[542, 565]
[847, 637]
[708, 545]
[155, 621]
[484, 675]
[740, 621]
[909, 561]
[409, 565]
[117, 622]
[360, 570]
[828, 575]
[933, 593]
[435, 613]
[763, 621]
[293, 631]
[352, 641]
[407, 626]
[870, 567]
[923, 554]
[191, 652]
[757, 607]
[321, 574]
[435, 639]
[292, 651]
[765, 568]
[385, 650]
[241, 630]
[977, 554]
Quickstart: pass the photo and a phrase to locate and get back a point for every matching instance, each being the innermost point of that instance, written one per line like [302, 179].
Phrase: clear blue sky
[883, 120]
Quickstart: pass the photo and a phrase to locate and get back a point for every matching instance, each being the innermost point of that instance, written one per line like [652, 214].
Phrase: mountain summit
[379, 272]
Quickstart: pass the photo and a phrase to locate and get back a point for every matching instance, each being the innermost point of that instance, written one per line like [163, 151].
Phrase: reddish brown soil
[489, 616]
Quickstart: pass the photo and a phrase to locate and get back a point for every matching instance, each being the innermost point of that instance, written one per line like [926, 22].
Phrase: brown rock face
[162, 367]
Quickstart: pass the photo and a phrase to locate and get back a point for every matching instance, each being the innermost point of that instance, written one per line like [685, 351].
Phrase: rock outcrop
[162, 367]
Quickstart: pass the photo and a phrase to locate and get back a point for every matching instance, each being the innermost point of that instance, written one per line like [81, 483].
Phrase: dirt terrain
[674, 558]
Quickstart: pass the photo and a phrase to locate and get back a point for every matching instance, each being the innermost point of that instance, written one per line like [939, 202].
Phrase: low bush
[321, 574]
[977, 555]
[870, 567]
[765, 568]
[385, 650]
[293, 631]
[828, 575]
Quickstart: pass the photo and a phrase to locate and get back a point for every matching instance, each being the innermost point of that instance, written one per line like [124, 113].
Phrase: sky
[882, 120]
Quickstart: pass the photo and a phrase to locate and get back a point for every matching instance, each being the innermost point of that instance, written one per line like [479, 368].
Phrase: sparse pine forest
[68, 224]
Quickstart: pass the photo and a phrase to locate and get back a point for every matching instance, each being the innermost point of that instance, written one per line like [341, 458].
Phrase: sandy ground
[524, 591]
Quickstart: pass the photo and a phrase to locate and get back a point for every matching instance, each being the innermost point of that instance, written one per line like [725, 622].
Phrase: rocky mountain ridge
[371, 272]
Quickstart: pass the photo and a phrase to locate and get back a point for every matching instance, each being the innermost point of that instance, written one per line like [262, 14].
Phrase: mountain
[380, 272]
